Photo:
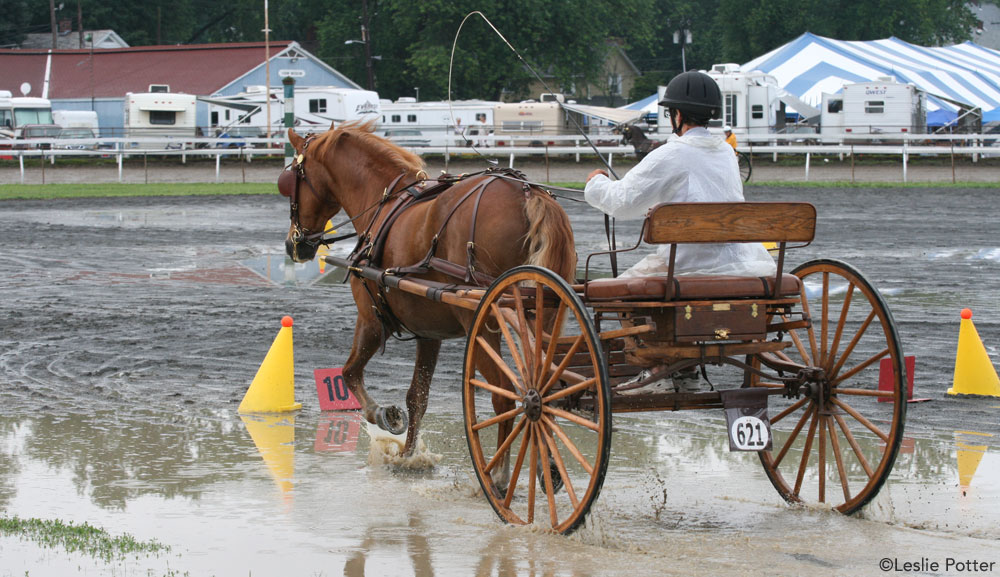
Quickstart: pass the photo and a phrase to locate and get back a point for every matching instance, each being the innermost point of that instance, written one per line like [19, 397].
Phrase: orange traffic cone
[273, 389]
[974, 372]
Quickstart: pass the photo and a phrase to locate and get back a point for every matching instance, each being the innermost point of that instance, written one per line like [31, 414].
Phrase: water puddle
[302, 494]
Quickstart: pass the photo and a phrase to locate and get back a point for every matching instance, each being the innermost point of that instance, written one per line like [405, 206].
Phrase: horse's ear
[294, 139]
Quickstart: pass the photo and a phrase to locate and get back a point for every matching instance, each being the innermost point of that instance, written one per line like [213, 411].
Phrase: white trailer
[76, 119]
[316, 108]
[170, 114]
[880, 107]
[439, 122]
[18, 111]
[529, 122]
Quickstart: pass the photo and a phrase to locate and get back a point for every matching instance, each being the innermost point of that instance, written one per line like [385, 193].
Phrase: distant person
[730, 137]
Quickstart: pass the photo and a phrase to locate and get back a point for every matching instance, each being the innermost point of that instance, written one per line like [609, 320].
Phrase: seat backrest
[714, 222]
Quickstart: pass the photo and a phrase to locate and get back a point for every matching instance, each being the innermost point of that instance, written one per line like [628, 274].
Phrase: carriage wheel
[746, 168]
[539, 433]
[836, 444]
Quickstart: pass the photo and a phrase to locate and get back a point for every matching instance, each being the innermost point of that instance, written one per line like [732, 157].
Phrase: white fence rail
[904, 146]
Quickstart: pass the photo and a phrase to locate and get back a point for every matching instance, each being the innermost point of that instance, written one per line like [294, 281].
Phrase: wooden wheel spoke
[835, 443]
[505, 445]
[811, 331]
[571, 417]
[543, 453]
[532, 474]
[495, 389]
[862, 366]
[560, 466]
[539, 330]
[582, 386]
[525, 440]
[522, 321]
[793, 435]
[824, 326]
[806, 359]
[864, 392]
[570, 446]
[498, 419]
[498, 360]
[822, 458]
[854, 445]
[840, 328]
[850, 346]
[804, 461]
[790, 410]
[562, 366]
[514, 351]
[550, 351]
[861, 419]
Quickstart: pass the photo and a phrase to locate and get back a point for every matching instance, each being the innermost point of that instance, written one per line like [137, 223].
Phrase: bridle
[296, 172]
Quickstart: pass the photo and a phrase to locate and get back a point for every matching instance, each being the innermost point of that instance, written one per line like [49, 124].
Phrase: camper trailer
[316, 109]
[160, 112]
[881, 107]
[439, 123]
[527, 123]
[18, 111]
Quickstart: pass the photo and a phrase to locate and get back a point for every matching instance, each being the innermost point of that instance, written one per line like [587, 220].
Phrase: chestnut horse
[350, 168]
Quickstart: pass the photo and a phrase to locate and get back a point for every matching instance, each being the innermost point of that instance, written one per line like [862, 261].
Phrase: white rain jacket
[697, 167]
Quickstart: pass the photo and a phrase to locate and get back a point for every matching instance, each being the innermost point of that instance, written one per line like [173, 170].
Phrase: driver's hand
[595, 173]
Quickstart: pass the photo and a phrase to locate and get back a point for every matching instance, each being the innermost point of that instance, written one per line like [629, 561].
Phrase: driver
[696, 167]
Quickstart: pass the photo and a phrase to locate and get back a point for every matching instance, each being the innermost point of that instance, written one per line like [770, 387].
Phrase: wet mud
[132, 327]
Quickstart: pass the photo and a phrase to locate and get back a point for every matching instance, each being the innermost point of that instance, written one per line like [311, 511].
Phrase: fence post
[953, 162]
[119, 147]
[904, 160]
[145, 167]
[807, 167]
[217, 159]
[43, 167]
[852, 164]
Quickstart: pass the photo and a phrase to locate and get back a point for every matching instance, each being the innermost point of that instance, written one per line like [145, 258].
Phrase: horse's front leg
[367, 340]
[416, 396]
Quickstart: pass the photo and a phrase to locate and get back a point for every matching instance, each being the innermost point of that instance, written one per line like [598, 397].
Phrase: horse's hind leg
[416, 397]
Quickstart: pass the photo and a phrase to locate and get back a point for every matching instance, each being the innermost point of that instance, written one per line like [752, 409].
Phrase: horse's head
[309, 187]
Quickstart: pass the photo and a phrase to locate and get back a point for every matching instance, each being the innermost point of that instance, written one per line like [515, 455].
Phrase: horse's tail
[550, 236]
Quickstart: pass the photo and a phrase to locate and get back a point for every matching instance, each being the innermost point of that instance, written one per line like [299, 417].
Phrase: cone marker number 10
[334, 395]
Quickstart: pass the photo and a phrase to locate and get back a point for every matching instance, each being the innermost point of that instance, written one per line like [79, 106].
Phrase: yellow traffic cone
[273, 389]
[274, 437]
[974, 372]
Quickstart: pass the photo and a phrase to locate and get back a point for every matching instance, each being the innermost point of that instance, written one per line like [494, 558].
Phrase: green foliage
[564, 40]
[85, 538]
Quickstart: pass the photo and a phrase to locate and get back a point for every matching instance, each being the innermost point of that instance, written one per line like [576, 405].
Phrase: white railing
[245, 149]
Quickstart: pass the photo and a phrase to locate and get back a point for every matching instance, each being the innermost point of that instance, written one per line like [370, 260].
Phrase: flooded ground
[131, 329]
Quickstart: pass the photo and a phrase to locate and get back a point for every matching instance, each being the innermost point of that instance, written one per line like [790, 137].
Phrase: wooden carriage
[801, 356]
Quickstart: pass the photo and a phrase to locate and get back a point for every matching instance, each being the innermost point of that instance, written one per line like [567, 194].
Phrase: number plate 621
[749, 433]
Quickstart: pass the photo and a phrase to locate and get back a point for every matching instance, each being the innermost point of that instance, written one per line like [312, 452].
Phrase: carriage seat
[714, 222]
[689, 287]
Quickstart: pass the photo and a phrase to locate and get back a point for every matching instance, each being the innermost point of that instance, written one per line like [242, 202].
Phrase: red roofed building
[99, 79]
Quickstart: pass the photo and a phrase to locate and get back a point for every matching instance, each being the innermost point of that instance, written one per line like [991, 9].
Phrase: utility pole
[267, 69]
[367, 41]
[683, 37]
[79, 21]
[52, 17]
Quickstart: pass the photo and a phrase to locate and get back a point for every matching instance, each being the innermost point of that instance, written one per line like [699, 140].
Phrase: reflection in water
[274, 436]
[388, 539]
[968, 456]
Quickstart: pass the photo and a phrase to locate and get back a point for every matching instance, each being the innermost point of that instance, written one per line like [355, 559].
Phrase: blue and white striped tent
[811, 65]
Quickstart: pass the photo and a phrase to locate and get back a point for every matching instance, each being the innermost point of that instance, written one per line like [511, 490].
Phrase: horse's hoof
[392, 419]
[557, 480]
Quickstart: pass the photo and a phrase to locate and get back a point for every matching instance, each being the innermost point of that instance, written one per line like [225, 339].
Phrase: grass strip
[85, 538]
[50, 191]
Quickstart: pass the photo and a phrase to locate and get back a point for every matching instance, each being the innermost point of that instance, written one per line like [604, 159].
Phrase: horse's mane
[363, 133]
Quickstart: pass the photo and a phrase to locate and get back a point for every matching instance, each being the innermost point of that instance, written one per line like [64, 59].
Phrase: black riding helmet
[695, 94]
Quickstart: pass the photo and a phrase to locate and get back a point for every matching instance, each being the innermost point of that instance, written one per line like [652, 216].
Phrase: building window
[480, 117]
[411, 117]
[729, 106]
[162, 117]
[835, 106]
[317, 105]
[874, 106]
[757, 111]
[215, 118]
[396, 118]
[615, 84]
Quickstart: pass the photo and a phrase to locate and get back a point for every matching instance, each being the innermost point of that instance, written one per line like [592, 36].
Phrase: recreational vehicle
[529, 122]
[316, 108]
[880, 107]
[19, 111]
[440, 123]
[157, 113]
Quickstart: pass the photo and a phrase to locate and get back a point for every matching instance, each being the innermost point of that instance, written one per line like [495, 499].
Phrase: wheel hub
[532, 404]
